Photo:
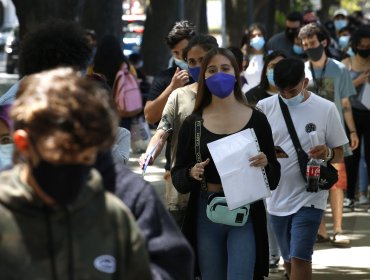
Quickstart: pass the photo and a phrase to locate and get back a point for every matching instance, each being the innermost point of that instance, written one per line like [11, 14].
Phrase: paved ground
[329, 263]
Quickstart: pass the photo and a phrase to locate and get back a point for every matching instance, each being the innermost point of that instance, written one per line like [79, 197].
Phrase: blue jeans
[296, 233]
[273, 244]
[224, 252]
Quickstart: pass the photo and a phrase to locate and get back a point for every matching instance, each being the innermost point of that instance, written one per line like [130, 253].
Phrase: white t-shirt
[291, 193]
[253, 73]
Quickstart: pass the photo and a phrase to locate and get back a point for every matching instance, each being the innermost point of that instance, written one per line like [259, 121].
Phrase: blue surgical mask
[350, 52]
[6, 155]
[297, 49]
[270, 76]
[343, 41]
[195, 72]
[340, 23]
[221, 84]
[257, 43]
[182, 64]
[294, 101]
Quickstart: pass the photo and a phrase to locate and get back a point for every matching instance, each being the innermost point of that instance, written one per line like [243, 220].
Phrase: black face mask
[364, 53]
[62, 182]
[291, 33]
[315, 54]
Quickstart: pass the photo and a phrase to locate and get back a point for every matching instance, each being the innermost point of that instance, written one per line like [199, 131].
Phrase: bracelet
[332, 155]
[354, 131]
[329, 155]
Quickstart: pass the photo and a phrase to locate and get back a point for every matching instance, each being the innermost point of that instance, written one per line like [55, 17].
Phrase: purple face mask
[221, 84]
[194, 72]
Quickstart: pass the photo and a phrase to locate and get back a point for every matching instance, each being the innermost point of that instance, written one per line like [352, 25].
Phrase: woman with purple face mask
[224, 251]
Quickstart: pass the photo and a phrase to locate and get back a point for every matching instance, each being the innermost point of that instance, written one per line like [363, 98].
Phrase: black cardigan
[185, 158]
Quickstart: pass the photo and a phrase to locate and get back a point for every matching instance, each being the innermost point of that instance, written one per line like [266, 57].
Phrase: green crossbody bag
[217, 210]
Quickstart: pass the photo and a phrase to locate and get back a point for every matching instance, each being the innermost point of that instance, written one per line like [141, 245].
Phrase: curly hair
[180, 31]
[313, 29]
[64, 104]
[51, 44]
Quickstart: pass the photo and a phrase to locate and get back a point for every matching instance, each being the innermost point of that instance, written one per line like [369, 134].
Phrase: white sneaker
[274, 264]
[363, 200]
[348, 205]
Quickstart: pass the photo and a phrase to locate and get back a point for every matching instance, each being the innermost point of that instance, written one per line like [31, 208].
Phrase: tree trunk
[203, 23]
[104, 16]
[264, 13]
[196, 12]
[325, 7]
[236, 21]
[160, 17]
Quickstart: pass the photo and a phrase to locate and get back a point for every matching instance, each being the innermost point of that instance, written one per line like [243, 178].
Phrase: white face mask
[6, 155]
[181, 63]
[294, 101]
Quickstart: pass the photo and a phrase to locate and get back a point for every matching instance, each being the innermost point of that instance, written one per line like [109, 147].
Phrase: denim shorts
[296, 233]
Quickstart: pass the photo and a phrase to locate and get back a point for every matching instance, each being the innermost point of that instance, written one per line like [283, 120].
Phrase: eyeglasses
[5, 139]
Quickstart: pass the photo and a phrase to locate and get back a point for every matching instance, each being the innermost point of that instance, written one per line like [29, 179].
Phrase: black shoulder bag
[328, 174]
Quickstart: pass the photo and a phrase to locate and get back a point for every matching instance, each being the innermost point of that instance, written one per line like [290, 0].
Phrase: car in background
[12, 51]
[131, 43]
[4, 34]
[133, 28]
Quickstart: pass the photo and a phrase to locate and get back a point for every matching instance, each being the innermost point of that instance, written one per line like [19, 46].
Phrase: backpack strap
[198, 128]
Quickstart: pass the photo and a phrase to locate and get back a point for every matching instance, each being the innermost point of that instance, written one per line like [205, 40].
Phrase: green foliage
[296, 5]
[280, 19]
[351, 5]
[301, 5]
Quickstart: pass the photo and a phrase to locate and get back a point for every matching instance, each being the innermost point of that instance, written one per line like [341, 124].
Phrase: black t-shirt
[185, 157]
[256, 94]
[161, 82]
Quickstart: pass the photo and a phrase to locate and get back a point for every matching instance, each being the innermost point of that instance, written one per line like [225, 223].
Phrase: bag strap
[290, 126]
[198, 128]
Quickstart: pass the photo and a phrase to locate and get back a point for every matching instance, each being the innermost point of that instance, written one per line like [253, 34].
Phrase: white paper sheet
[242, 184]
[365, 98]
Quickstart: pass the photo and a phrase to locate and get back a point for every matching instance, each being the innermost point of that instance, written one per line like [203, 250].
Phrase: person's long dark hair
[204, 96]
[255, 26]
[264, 83]
[109, 58]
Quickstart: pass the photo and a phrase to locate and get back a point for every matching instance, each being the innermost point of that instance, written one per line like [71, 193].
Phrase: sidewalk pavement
[329, 263]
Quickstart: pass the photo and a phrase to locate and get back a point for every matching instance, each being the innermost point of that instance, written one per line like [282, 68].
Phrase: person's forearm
[153, 109]
[157, 138]
[347, 114]
[338, 155]
[357, 82]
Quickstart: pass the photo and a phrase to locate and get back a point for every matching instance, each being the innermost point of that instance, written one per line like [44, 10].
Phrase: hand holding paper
[259, 160]
[242, 183]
